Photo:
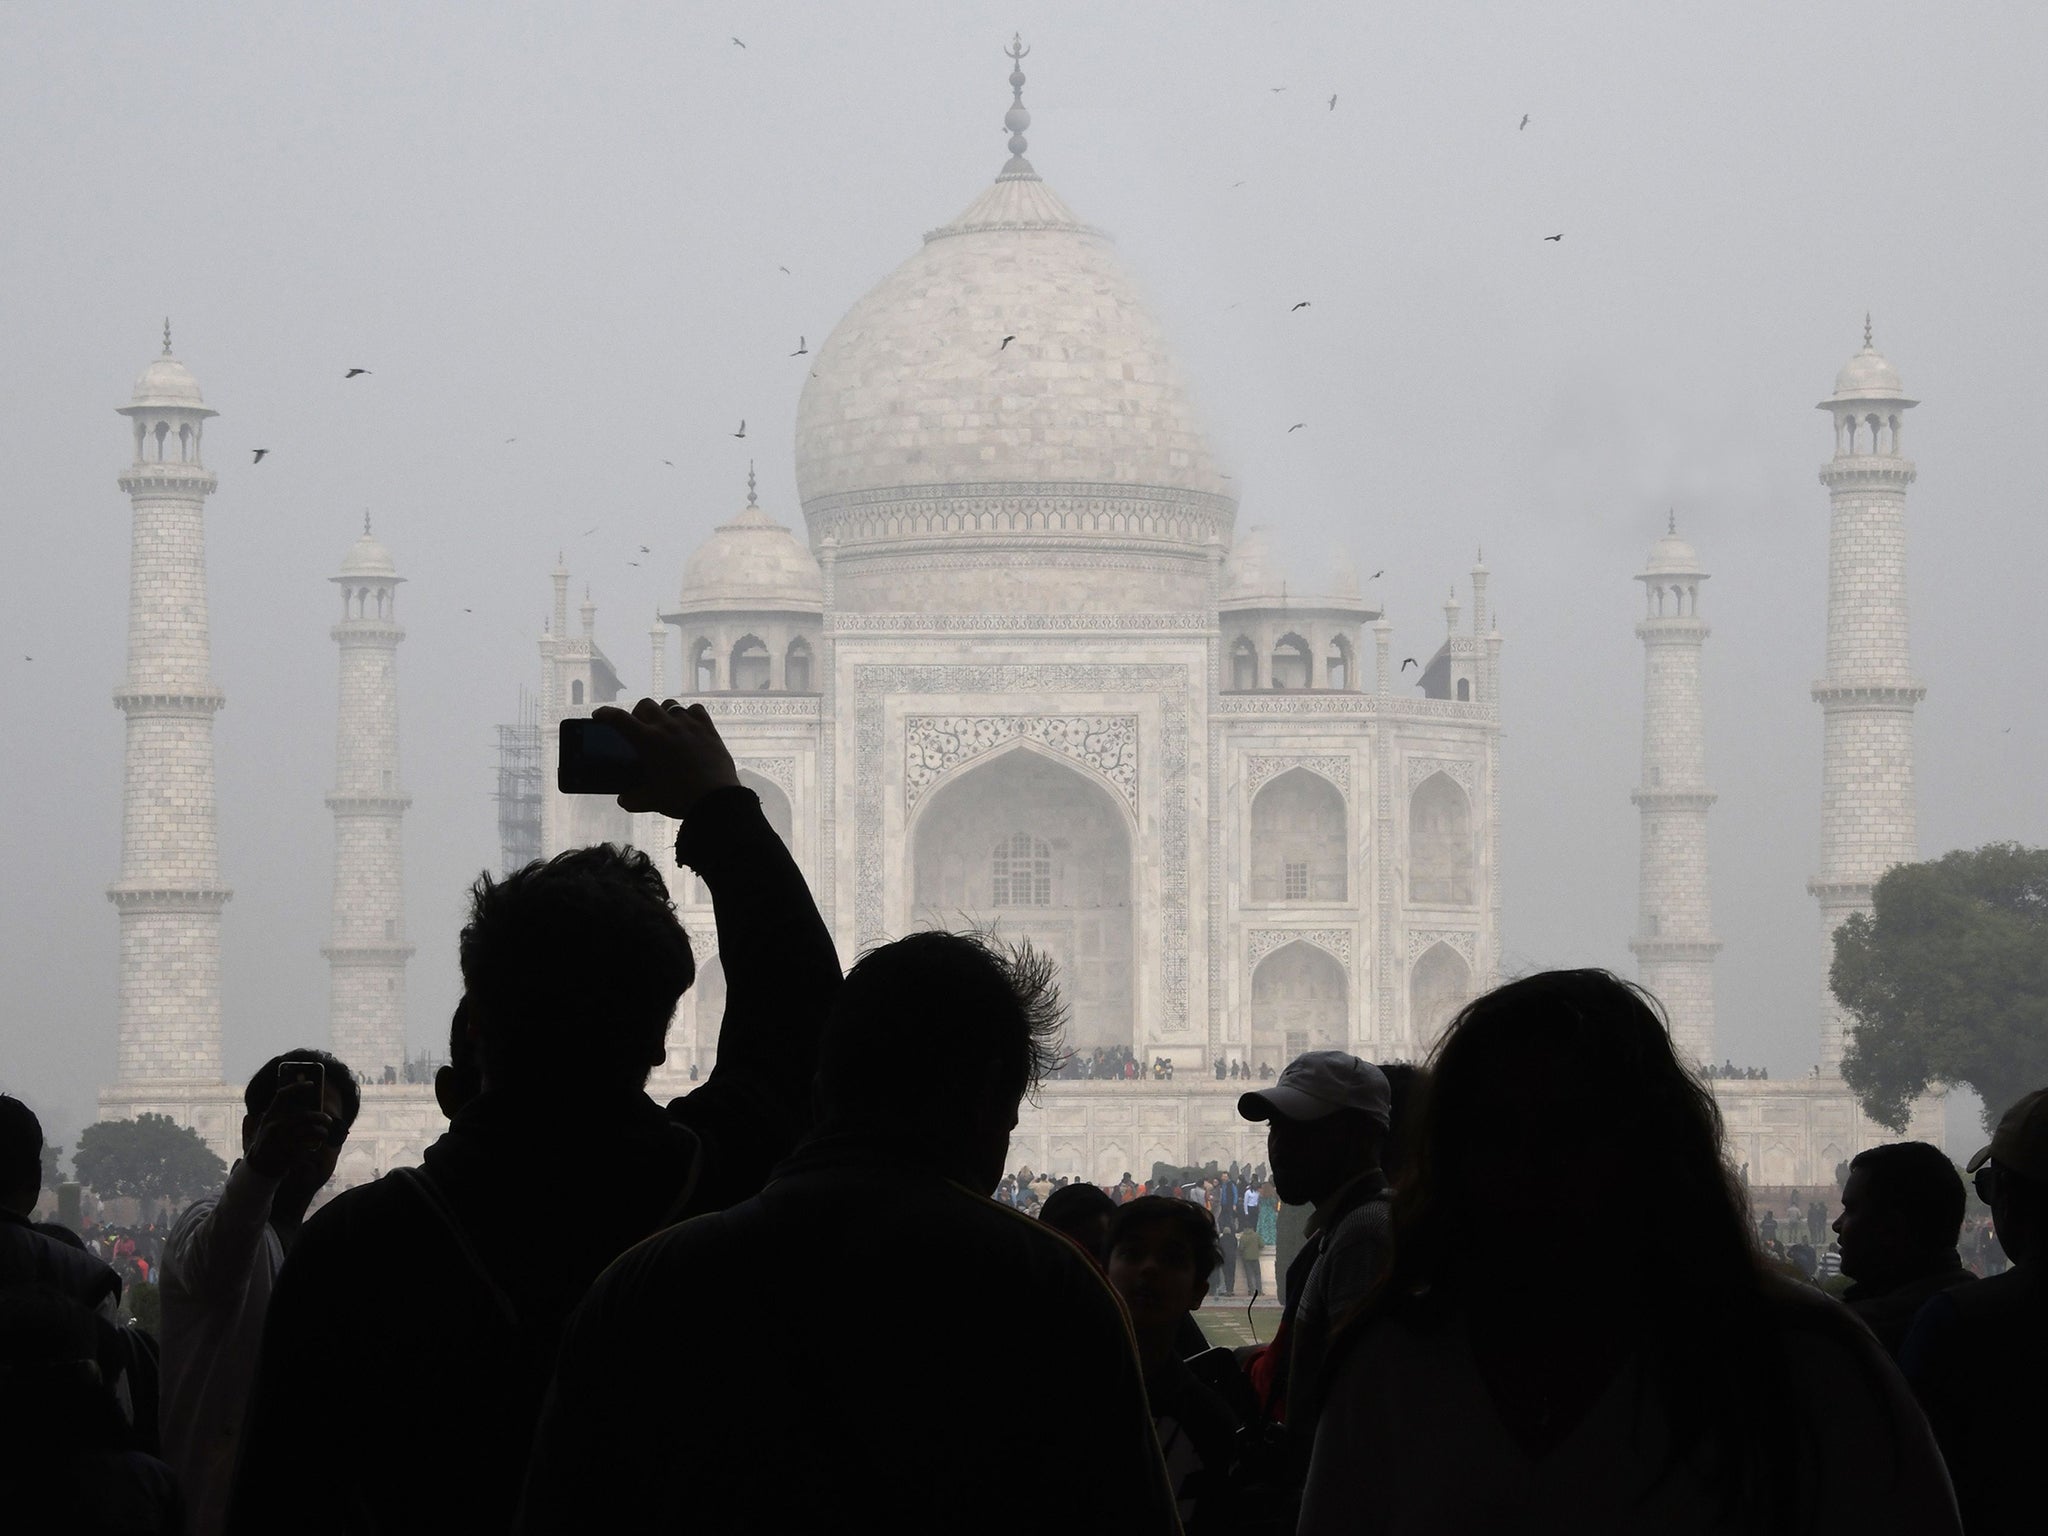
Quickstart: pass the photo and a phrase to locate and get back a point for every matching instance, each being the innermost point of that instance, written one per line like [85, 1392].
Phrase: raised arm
[781, 971]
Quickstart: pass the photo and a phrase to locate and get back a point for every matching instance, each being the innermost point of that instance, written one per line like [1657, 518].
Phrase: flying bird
[802, 348]
[1553, 237]
[1407, 662]
[634, 563]
[785, 269]
[1333, 101]
[738, 44]
[591, 529]
[1276, 89]
[743, 428]
[511, 439]
[671, 463]
[1302, 305]
[1006, 341]
[1523, 123]
[469, 610]
[353, 372]
[1297, 426]
[259, 455]
[645, 550]
[1376, 575]
[1237, 183]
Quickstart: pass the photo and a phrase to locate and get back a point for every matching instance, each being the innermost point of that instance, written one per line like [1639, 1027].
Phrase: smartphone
[292, 1073]
[595, 758]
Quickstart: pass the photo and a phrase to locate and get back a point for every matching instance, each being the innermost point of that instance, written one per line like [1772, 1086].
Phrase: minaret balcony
[367, 632]
[1867, 471]
[1673, 799]
[1675, 630]
[1848, 694]
[1840, 893]
[367, 804]
[369, 955]
[130, 896]
[168, 479]
[1674, 949]
[193, 703]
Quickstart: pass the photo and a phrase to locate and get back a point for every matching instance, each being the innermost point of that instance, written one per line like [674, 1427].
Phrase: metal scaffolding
[519, 787]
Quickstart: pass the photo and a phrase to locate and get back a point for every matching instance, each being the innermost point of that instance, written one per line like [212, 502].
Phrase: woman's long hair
[1580, 1064]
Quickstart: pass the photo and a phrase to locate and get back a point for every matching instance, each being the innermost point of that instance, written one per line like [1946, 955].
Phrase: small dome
[752, 562]
[1253, 570]
[366, 557]
[167, 382]
[1672, 555]
[1869, 376]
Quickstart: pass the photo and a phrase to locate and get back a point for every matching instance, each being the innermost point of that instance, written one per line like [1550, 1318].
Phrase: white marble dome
[1082, 424]
[167, 384]
[1253, 569]
[366, 557]
[751, 563]
[1672, 556]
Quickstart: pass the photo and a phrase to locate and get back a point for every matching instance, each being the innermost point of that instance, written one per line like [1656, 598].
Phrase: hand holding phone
[680, 755]
[295, 1126]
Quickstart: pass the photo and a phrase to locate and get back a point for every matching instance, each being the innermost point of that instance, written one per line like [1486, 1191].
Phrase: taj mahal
[1015, 660]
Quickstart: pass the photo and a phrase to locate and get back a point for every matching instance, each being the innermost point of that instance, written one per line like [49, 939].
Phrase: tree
[1946, 980]
[151, 1157]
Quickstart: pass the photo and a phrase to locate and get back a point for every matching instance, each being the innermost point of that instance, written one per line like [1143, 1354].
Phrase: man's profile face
[1310, 1158]
[1866, 1231]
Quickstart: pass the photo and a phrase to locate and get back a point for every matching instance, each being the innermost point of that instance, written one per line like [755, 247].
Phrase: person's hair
[1194, 1223]
[21, 1145]
[574, 966]
[1918, 1182]
[263, 1086]
[961, 1005]
[1405, 1083]
[1071, 1207]
[1592, 1052]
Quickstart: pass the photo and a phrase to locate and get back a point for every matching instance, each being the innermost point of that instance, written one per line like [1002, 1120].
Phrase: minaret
[170, 893]
[1868, 693]
[367, 949]
[1674, 943]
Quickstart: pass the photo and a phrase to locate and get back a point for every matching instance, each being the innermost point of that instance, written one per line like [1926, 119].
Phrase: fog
[566, 227]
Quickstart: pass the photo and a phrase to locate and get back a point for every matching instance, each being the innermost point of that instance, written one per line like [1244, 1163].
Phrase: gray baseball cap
[1319, 1083]
[2020, 1142]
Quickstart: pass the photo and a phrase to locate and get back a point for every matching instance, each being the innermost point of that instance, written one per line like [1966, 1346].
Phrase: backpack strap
[422, 1184]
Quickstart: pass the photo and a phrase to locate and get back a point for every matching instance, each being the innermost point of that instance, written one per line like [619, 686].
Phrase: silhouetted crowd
[1729, 1072]
[789, 1303]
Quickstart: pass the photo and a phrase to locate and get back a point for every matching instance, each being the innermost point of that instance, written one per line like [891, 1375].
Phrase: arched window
[796, 666]
[576, 691]
[1337, 666]
[1244, 666]
[1020, 872]
[1298, 1004]
[749, 672]
[1439, 986]
[1440, 843]
[1297, 847]
[1291, 662]
[703, 667]
[1464, 690]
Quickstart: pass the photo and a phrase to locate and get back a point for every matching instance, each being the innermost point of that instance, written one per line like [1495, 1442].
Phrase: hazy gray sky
[563, 224]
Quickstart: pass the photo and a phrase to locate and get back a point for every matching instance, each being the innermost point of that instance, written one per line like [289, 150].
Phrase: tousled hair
[263, 1086]
[1194, 1223]
[1916, 1181]
[962, 1006]
[573, 967]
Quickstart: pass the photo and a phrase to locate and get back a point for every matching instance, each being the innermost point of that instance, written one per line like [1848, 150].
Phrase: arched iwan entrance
[1038, 850]
[1298, 1004]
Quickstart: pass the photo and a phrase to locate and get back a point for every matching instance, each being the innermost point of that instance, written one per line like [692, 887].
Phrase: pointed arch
[1441, 852]
[1439, 984]
[1298, 839]
[1300, 1001]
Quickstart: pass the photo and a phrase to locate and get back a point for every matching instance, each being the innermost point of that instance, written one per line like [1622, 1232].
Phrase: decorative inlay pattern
[1049, 508]
[872, 685]
[1463, 940]
[779, 771]
[1458, 770]
[1258, 770]
[935, 744]
[1261, 942]
[1012, 623]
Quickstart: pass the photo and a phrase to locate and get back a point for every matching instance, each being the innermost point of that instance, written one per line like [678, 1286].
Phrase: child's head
[1161, 1254]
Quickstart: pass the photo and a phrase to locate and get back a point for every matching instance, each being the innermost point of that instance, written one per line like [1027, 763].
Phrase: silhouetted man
[1978, 1354]
[1902, 1212]
[1082, 1211]
[790, 1420]
[221, 1265]
[1327, 1118]
[435, 1298]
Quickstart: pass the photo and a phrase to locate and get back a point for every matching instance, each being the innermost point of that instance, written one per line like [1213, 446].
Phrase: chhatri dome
[751, 562]
[1868, 375]
[920, 420]
[366, 557]
[1672, 555]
